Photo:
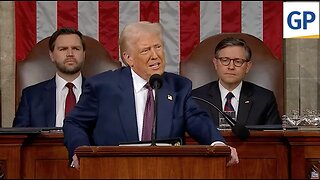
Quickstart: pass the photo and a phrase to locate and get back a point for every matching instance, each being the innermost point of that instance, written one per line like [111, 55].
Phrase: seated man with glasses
[252, 104]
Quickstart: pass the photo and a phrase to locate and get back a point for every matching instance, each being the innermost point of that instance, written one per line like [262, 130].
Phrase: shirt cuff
[216, 142]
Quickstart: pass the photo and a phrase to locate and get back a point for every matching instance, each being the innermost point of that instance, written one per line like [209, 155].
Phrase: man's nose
[154, 54]
[231, 64]
[69, 52]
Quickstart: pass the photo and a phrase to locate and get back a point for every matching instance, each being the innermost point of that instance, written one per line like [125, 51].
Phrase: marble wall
[301, 58]
[7, 62]
[302, 72]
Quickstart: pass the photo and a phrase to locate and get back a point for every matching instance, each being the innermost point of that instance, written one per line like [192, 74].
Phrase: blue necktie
[148, 115]
[228, 106]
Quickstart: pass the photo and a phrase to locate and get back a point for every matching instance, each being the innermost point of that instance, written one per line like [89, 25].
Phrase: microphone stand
[238, 129]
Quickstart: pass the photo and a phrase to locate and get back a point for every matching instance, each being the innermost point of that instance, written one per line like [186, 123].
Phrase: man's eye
[158, 46]
[144, 51]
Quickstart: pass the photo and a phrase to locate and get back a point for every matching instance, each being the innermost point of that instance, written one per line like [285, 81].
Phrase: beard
[69, 69]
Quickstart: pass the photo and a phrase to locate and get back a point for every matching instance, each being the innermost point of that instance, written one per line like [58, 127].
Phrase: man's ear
[51, 56]
[249, 64]
[128, 60]
[215, 61]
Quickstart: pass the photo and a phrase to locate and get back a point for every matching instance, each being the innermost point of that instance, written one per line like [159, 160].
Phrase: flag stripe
[169, 18]
[109, 26]
[186, 23]
[46, 19]
[251, 18]
[210, 18]
[149, 11]
[25, 19]
[272, 26]
[128, 12]
[189, 27]
[88, 18]
[231, 16]
[67, 13]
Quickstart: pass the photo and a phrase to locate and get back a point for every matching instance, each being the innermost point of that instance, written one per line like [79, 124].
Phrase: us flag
[186, 23]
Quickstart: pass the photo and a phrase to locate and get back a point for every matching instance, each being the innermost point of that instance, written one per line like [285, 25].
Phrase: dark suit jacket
[106, 115]
[257, 105]
[37, 107]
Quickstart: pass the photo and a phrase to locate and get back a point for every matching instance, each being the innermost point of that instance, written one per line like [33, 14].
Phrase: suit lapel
[126, 107]
[245, 104]
[215, 98]
[50, 103]
[166, 100]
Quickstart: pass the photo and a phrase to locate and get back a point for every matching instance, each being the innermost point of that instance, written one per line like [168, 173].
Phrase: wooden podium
[149, 162]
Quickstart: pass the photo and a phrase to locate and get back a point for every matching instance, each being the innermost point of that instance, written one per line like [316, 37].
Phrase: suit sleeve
[199, 124]
[79, 123]
[273, 116]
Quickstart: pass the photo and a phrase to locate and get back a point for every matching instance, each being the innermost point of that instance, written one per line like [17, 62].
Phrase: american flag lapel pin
[169, 97]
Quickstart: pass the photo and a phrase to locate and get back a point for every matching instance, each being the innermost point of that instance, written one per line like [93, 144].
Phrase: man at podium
[115, 105]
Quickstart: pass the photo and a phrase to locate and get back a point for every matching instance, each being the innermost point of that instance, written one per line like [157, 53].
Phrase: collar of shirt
[235, 100]
[60, 83]
[235, 92]
[138, 82]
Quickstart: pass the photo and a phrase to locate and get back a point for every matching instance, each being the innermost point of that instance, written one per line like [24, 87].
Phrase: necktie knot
[147, 86]
[229, 96]
[69, 85]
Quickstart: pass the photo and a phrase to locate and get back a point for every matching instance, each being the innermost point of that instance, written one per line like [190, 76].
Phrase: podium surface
[187, 161]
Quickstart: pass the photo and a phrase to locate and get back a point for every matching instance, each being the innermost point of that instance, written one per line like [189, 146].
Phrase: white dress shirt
[61, 94]
[234, 100]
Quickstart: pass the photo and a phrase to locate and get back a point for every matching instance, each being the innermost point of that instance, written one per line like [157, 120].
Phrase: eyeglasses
[238, 62]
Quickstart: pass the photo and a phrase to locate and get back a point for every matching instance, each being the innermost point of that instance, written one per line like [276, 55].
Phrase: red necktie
[228, 106]
[148, 115]
[71, 98]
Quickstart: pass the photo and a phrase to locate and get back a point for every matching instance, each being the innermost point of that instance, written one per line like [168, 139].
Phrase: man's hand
[75, 162]
[233, 155]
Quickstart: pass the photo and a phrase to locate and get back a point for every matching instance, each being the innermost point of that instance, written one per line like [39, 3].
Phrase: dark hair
[230, 41]
[62, 31]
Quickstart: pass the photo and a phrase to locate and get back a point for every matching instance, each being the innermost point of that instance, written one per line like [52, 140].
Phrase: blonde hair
[131, 32]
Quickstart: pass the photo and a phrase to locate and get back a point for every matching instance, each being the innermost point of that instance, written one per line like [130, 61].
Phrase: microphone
[238, 129]
[155, 82]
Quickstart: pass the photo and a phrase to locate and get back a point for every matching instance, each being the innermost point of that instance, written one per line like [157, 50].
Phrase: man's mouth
[155, 65]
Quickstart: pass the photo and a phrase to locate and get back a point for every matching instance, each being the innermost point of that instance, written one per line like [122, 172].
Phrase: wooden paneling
[304, 148]
[10, 158]
[266, 154]
[153, 162]
[45, 157]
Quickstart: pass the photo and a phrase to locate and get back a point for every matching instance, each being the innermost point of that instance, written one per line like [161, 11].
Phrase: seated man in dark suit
[253, 105]
[112, 107]
[43, 104]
